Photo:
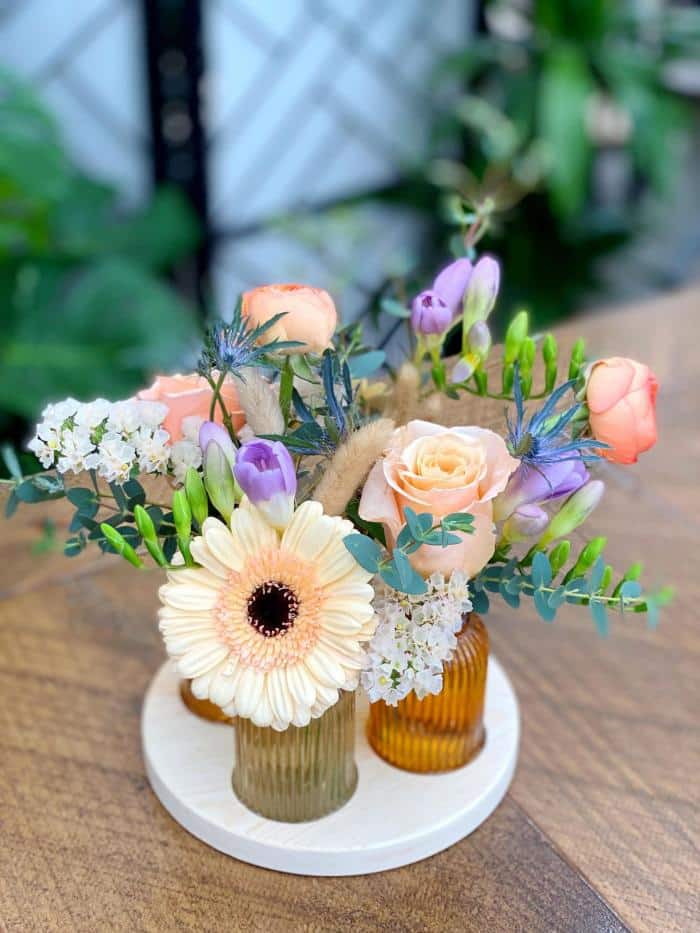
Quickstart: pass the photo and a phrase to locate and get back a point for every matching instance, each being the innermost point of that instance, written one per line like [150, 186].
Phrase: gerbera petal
[325, 667]
[307, 514]
[182, 621]
[352, 589]
[221, 544]
[177, 643]
[340, 622]
[356, 611]
[279, 696]
[223, 686]
[248, 691]
[334, 565]
[251, 533]
[302, 716]
[201, 658]
[315, 537]
[199, 576]
[346, 652]
[188, 596]
[203, 555]
[200, 684]
[300, 686]
[263, 714]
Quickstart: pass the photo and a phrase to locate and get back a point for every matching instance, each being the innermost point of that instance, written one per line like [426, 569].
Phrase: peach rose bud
[189, 397]
[309, 315]
[621, 397]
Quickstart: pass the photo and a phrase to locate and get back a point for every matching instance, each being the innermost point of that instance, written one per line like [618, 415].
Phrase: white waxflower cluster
[113, 438]
[415, 636]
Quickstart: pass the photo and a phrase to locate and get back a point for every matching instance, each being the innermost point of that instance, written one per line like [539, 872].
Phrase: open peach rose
[621, 397]
[190, 396]
[309, 314]
[440, 470]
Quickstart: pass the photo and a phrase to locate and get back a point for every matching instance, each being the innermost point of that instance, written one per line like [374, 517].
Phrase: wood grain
[599, 832]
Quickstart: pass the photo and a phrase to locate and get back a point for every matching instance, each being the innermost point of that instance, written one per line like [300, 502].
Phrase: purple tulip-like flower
[451, 284]
[265, 472]
[533, 486]
[430, 314]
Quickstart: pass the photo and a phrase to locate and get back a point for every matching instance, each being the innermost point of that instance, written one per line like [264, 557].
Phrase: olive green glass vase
[302, 773]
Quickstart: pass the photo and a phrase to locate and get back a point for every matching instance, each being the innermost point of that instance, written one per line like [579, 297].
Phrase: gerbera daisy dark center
[272, 608]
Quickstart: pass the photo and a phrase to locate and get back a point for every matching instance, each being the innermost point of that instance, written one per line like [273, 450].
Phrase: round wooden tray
[394, 817]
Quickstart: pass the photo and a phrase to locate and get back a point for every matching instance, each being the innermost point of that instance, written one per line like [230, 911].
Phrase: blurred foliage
[561, 96]
[84, 308]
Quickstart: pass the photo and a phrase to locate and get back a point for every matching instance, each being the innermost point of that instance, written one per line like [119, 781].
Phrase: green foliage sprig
[586, 583]
[420, 529]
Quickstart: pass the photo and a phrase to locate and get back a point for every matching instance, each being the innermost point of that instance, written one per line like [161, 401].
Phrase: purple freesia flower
[430, 314]
[451, 284]
[265, 472]
[534, 485]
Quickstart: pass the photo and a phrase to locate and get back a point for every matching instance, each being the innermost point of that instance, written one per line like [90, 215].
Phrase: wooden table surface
[599, 832]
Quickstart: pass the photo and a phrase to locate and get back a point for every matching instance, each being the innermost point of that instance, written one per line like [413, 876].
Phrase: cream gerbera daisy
[271, 625]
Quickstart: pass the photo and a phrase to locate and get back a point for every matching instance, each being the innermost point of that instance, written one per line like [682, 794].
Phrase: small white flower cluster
[113, 438]
[414, 637]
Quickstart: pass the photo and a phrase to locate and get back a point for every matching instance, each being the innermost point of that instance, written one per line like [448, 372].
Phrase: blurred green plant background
[85, 307]
[570, 125]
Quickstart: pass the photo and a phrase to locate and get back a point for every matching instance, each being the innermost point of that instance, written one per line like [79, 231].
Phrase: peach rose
[621, 397]
[190, 396]
[440, 470]
[309, 314]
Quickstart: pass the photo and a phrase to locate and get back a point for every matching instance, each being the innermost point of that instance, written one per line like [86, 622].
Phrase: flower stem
[216, 398]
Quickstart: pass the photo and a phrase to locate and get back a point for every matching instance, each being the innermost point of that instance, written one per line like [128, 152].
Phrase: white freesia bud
[464, 368]
[479, 338]
[525, 522]
[575, 511]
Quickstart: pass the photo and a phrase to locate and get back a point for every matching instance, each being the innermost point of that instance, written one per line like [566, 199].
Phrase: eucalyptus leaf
[599, 615]
[541, 570]
[366, 552]
[545, 611]
[480, 602]
[364, 364]
[395, 308]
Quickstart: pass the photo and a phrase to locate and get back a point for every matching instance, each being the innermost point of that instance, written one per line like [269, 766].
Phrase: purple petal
[264, 469]
[451, 284]
[211, 432]
[430, 314]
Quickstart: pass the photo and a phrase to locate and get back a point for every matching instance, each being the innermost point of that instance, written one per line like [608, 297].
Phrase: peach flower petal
[430, 468]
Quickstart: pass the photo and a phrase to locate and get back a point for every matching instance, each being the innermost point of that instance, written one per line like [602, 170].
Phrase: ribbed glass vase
[302, 773]
[205, 709]
[442, 732]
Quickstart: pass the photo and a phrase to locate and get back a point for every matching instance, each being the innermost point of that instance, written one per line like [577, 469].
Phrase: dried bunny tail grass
[405, 401]
[350, 465]
[259, 401]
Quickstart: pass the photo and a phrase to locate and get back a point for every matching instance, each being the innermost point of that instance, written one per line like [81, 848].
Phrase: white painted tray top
[394, 817]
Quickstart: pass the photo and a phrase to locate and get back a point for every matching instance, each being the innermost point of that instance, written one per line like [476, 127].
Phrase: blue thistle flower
[231, 347]
[543, 438]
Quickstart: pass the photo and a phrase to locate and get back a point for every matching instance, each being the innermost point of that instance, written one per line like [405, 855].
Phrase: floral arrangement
[320, 530]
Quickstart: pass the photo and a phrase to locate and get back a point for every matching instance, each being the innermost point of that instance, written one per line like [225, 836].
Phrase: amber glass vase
[302, 773]
[442, 732]
[205, 709]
